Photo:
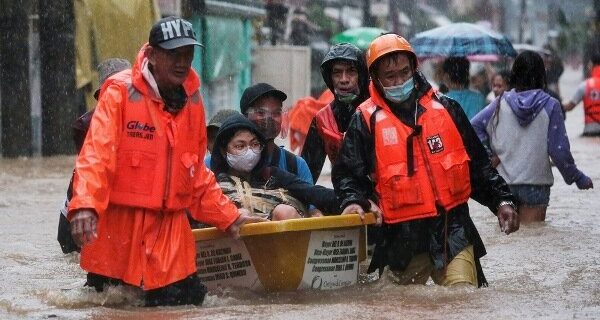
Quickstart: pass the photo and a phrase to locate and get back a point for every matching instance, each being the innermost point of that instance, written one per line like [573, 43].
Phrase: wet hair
[457, 68]
[528, 72]
[595, 58]
[504, 74]
[393, 57]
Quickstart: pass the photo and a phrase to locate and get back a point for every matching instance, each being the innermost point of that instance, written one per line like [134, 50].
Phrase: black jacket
[270, 177]
[314, 149]
[351, 181]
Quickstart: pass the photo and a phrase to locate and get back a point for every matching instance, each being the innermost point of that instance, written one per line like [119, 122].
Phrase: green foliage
[316, 11]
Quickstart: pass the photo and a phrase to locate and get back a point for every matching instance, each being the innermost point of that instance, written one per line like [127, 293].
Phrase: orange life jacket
[437, 174]
[156, 163]
[591, 98]
[329, 132]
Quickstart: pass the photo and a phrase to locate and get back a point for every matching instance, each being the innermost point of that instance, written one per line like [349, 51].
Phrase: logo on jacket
[137, 129]
[390, 136]
[435, 144]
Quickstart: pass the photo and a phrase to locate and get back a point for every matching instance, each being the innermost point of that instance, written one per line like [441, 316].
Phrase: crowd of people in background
[409, 153]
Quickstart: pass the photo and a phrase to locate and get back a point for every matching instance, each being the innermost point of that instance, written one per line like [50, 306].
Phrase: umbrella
[360, 37]
[461, 40]
[520, 47]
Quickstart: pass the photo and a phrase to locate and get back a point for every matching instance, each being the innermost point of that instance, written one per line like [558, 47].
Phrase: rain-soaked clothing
[589, 92]
[317, 145]
[268, 184]
[442, 237]
[302, 114]
[80, 128]
[525, 130]
[527, 123]
[148, 245]
[408, 157]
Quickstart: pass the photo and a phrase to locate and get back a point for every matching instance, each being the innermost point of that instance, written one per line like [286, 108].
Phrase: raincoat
[144, 245]
[316, 144]
[443, 236]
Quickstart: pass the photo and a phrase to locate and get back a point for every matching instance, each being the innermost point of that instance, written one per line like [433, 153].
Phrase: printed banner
[331, 260]
[225, 263]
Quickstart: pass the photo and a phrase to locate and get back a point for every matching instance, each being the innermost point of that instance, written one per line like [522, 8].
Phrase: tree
[14, 78]
[59, 94]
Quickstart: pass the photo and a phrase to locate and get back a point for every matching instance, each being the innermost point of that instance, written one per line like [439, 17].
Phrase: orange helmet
[388, 43]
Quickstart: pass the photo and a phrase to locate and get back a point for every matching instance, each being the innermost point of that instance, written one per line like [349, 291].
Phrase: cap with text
[171, 33]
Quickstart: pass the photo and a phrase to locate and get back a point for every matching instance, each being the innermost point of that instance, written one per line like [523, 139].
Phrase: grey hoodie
[526, 132]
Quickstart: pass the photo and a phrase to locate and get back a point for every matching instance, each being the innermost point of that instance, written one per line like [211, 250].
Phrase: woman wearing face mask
[239, 163]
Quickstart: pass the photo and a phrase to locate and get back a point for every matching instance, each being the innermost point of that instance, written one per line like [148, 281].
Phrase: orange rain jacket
[329, 132]
[302, 114]
[139, 169]
[591, 98]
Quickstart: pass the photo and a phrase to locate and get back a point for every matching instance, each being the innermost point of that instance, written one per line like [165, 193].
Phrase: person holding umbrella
[415, 153]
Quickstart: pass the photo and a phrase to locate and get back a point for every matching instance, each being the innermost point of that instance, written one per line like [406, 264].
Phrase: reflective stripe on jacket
[329, 132]
[412, 182]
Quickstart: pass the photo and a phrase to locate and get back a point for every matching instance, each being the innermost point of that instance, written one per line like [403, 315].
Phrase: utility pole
[368, 20]
[59, 95]
[14, 78]
[523, 20]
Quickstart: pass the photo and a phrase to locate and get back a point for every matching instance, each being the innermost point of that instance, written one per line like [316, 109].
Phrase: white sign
[226, 262]
[331, 260]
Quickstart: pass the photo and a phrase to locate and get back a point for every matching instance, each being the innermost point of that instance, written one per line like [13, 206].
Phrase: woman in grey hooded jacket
[522, 130]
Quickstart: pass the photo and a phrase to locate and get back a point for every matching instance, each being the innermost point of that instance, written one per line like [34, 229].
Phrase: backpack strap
[291, 163]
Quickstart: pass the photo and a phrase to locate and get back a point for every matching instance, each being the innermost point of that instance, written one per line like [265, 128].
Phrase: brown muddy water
[546, 270]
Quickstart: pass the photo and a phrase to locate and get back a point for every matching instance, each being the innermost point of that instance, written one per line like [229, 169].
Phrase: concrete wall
[285, 67]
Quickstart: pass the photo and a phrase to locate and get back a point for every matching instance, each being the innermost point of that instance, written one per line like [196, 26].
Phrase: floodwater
[546, 270]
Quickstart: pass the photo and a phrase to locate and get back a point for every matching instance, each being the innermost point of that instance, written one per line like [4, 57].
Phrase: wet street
[546, 270]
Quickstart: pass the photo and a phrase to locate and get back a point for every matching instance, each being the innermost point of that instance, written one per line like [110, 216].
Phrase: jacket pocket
[400, 190]
[188, 172]
[456, 167]
[135, 172]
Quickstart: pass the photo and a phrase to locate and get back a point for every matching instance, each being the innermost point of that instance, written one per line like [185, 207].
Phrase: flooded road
[545, 270]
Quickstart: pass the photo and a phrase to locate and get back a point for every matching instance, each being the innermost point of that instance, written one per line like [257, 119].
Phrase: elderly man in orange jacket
[141, 169]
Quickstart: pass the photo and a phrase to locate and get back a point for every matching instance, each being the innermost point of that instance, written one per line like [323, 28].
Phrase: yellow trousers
[460, 270]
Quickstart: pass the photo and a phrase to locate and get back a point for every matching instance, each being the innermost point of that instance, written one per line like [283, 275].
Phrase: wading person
[522, 130]
[80, 128]
[456, 76]
[415, 152]
[346, 75]
[589, 92]
[140, 170]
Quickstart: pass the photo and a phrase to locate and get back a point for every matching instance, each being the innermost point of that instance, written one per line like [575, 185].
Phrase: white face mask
[244, 162]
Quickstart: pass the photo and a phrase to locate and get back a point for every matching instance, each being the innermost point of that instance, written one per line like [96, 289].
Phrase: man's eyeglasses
[262, 113]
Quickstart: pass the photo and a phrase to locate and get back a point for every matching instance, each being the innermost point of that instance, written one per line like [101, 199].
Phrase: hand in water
[244, 218]
[83, 227]
[357, 209]
[508, 219]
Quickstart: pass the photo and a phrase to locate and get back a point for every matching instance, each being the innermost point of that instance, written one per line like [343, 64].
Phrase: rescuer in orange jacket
[415, 153]
[346, 75]
[589, 92]
[141, 169]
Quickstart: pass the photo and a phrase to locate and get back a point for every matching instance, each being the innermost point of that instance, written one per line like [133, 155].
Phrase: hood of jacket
[348, 52]
[233, 123]
[526, 105]
[191, 83]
